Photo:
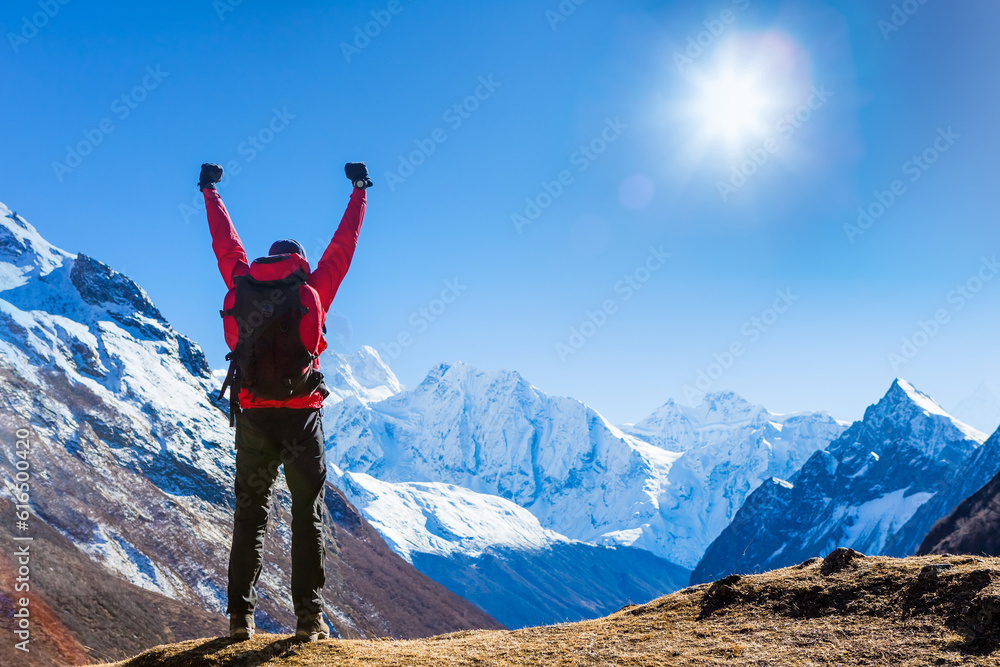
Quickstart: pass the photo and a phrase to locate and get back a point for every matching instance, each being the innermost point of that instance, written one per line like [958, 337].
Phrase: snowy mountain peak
[363, 375]
[676, 427]
[902, 389]
[23, 252]
[903, 395]
[368, 362]
[446, 369]
[727, 407]
[459, 378]
[459, 371]
[100, 285]
[904, 402]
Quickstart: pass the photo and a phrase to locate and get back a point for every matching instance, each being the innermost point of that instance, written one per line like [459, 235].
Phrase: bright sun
[732, 104]
[731, 107]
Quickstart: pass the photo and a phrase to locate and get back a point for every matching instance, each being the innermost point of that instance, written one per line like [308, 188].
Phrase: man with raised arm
[273, 317]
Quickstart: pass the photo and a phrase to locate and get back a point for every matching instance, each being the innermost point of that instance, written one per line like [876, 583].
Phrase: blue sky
[199, 79]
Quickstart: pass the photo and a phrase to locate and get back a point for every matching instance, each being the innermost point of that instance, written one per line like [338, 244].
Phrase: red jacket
[317, 294]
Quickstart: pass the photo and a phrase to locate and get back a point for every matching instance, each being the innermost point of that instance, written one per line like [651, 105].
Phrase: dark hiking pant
[265, 439]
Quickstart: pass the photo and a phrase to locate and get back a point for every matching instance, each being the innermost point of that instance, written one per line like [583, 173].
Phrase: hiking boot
[241, 626]
[312, 628]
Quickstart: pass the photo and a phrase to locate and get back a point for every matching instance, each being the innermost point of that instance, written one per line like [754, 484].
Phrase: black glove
[357, 172]
[211, 174]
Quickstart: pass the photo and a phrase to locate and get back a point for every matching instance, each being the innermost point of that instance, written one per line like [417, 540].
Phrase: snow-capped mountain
[497, 555]
[362, 375]
[730, 446]
[878, 489]
[429, 517]
[132, 459]
[668, 485]
[679, 427]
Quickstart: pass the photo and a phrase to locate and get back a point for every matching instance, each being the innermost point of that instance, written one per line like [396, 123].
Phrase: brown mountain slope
[971, 528]
[79, 612]
[843, 610]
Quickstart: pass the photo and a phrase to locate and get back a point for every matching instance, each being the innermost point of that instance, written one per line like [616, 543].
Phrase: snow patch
[875, 520]
[442, 519]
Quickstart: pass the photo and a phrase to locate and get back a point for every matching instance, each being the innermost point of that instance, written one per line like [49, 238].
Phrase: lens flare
[734, 98]
[731, 106]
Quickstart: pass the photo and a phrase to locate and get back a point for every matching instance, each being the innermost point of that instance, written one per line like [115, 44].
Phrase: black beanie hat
[287, 247]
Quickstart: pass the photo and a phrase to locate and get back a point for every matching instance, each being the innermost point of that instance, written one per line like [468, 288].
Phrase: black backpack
[270, 360]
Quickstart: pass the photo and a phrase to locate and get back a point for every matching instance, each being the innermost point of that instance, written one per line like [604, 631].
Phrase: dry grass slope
[846, 609]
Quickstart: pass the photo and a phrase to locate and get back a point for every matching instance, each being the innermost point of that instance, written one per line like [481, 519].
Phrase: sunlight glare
[732, 107]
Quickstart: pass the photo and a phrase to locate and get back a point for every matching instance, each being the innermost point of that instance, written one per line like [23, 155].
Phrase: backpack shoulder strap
[233, 383]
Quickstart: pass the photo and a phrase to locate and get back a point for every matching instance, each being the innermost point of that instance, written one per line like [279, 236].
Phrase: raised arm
[226, 242]
[336, 259]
